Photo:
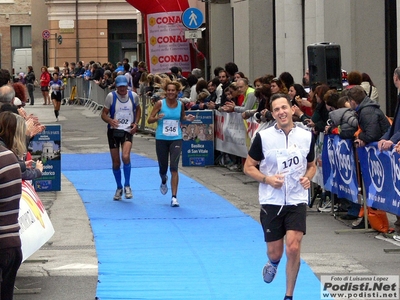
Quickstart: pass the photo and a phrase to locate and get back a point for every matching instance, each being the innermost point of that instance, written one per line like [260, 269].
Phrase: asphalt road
[66, 267]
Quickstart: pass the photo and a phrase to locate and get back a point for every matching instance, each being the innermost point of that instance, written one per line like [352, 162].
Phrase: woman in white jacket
[369, 87]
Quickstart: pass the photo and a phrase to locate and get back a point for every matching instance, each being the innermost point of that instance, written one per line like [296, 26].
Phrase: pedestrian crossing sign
[192, 18]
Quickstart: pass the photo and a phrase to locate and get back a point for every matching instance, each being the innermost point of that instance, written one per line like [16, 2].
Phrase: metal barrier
[79, 91]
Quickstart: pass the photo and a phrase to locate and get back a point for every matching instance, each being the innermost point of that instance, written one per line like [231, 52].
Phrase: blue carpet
[205, 249]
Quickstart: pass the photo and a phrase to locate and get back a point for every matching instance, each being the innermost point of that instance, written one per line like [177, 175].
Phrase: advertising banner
[35, 226]
[230, 134]
[339, 168]
[46, 146]
[198, 139]
[167, 45]
[381, 175]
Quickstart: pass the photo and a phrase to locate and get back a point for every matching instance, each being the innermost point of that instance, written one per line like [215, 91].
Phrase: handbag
[118, 133]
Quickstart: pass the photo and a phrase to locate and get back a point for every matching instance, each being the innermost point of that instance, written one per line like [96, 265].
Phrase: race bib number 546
[170, 127]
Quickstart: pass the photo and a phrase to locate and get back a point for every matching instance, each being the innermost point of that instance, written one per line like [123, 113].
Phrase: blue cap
[121, 81]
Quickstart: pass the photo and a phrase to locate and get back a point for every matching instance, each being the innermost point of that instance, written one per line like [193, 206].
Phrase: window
[21, 37]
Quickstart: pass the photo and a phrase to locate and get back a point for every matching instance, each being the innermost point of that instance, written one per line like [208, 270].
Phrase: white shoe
[118, 194]
[164, 187]
[174, 202]
[128, 192]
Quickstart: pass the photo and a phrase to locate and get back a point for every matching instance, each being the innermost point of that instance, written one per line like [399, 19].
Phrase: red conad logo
[173, 58]
[171, 39]
[169, 20]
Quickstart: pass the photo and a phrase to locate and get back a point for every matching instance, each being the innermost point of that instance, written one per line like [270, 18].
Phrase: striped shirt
[10, 194]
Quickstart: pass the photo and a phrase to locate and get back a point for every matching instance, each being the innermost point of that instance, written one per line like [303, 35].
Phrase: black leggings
[165, 148]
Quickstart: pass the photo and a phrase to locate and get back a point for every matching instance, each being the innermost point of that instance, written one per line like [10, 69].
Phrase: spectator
[10, 194]
[197, 72]
[238, 75]
[369, 87]
[250, 101]
[192, 80]
[106, 81]
[321, 114]
[44, 85]
[300, 98]
[223, 77]
[231, 68]
[372, 121]
[4, 77]
[392, 137]
[287, 79]
[80, 70]
[7, 94]
[306, 79]
[30, 84]
[20, 92]
[175, 72]
[354, 78]
[278, 87]
[136, 79]
[128, 76]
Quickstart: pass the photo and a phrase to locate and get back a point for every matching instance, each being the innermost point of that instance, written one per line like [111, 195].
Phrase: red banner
[157, 6]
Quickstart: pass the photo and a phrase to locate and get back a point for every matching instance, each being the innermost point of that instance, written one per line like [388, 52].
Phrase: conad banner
[35, 226]
[165, 34]
[381, 175]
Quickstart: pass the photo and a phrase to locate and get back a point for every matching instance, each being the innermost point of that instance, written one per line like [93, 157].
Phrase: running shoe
[269, 272]
[164, 187]
[118, 194]
[174, 202]
[396, 237]
[128, 192]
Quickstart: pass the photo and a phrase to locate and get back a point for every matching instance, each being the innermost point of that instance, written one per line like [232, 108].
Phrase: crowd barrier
[380, 173]
[336, 158]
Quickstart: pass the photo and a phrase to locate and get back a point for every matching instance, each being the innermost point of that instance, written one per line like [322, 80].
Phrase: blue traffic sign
[192, 18]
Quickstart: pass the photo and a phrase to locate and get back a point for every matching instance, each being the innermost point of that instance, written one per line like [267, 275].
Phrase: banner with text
[198, 139]
[35, 226]
[339, 168]
[167, 46]
[381, 175]
[230, 133]
[46, 146]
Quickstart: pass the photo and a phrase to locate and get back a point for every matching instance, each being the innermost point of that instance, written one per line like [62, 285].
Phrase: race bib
[170, 127]
[125, 119]
[288, 161]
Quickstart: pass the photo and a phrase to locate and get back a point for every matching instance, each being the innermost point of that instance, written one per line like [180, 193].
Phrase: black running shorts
[276, 220]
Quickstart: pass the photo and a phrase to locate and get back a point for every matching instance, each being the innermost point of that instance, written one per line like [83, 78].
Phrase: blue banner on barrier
[46, 146]
[198, 139]
[339, 168]
[381, 175]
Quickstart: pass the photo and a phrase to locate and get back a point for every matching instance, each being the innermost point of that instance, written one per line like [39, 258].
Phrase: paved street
[66, 267]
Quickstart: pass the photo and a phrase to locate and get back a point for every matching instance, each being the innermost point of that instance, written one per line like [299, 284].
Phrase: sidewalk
[66, 268]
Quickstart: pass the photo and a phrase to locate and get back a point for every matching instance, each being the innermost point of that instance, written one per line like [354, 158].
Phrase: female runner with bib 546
[169, 113]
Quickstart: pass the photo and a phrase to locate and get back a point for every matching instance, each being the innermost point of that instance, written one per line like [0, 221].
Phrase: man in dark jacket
[392, 137]
[372, 121]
